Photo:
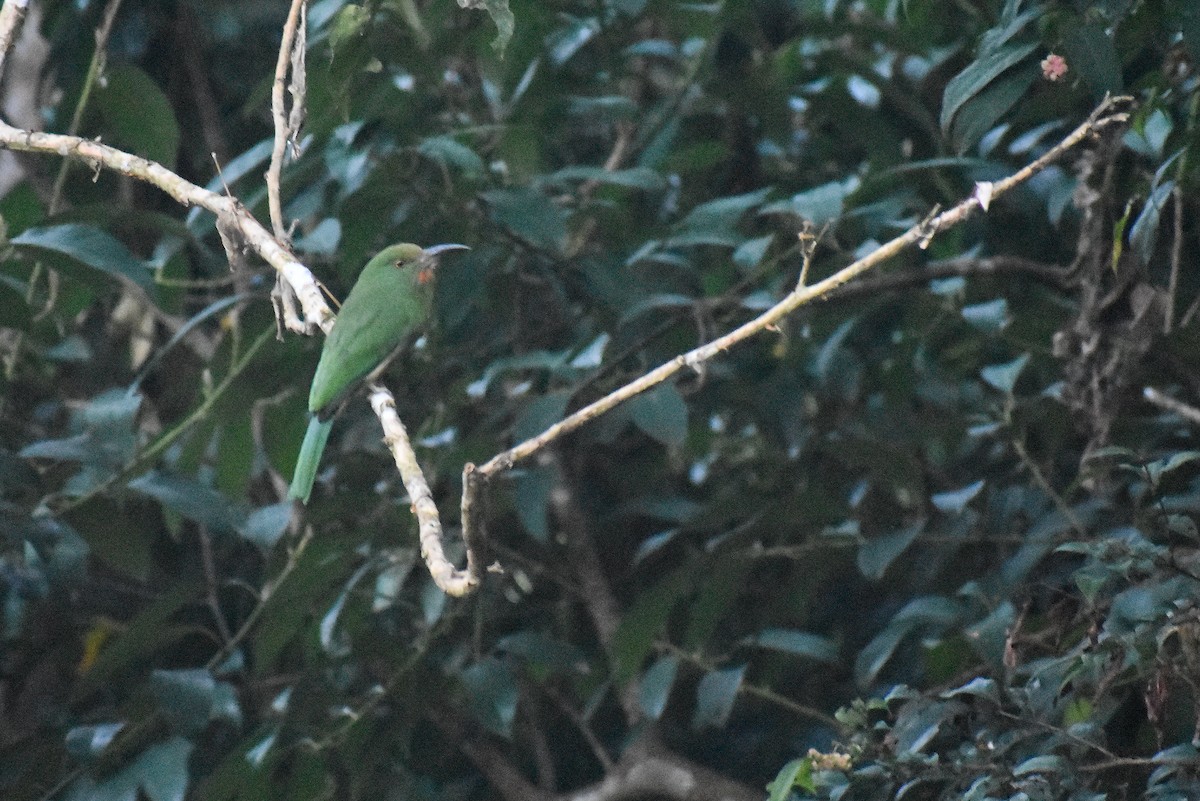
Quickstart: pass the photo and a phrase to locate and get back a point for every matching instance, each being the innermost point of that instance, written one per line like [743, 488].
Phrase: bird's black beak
[436, 250]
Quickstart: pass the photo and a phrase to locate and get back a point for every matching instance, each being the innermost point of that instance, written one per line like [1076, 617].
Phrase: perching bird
[391, 299]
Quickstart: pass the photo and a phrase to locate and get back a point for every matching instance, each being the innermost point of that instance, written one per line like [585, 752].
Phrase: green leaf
[877, 554]
[662, 414]
[265, 525]
[715, 696]
[979, 114]
[543, 651]
[991, 317]
[798, 643]
[654, 690]
[1047, 763]
[1092, 53]
[1158, 468]
[449, 152]
[72, 349]
[653, 544]
[530, 215]
[919, 722]
[1189, 24]
[977, 687]
[531, 496]
[492, 689]
[501, 16]
[190, 698]
[715, 222]
[14, 310]
[564, 43]
[534, 360]
[644, 621]
[143, 637]
[633, 178]
[989, 636]
[1004, 376]
[540, 413]
[347, 25]
[977, 76]
[609, 107]
[818, 205]
[1143, 235]
[1012, 21]
[926, 612]
[74, 244]
[191, 499]
[88, 742]
[327, 630]
[137, 116]
[797, 773]
[750, 253]
[163, 770]
[955, 501]
[160, 773]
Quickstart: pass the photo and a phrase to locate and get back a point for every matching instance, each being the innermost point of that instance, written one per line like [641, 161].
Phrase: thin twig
[210, 584]
[10, 20]
[1040, 479]
[90, 81]
[280, 116]
[581, 725]
[95, 71]
[1176, 260]
[264, 595]
[1164, 401]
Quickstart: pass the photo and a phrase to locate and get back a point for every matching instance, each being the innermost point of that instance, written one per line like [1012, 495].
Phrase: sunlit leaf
[715, 696]
[955, 501]
[1004, 376]
[876, 554]
[190, 698]
[654, 689]
[265, 525]
[990, 317]
[797, 773]
[798, 643]
[818, 205]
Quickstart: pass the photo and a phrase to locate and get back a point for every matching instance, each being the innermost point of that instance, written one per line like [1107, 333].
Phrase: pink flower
[1054, 67]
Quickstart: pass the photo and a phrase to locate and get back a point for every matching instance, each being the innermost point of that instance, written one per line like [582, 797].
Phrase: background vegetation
[955, 500]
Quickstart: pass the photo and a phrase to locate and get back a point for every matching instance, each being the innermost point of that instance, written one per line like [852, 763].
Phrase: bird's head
[421, 261]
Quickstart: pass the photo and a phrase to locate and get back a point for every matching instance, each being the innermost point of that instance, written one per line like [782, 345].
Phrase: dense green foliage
[937, 501]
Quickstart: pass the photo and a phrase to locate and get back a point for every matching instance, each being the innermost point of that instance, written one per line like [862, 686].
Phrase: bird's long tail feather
[310, 458]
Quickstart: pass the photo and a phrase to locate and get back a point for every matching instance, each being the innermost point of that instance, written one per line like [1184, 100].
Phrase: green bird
[392, 298]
